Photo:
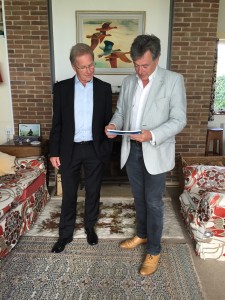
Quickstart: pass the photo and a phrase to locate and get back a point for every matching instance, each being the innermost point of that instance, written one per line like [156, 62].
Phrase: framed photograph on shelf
[29, 130]
[110, 35]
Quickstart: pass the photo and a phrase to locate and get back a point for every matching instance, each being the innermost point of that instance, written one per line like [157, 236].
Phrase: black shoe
[60, 244]
[92, 237]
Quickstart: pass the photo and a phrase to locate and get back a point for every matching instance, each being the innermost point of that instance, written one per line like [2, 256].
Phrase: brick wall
[193, 45]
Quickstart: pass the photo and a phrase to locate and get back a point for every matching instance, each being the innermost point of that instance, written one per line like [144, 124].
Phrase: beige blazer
[164, 115]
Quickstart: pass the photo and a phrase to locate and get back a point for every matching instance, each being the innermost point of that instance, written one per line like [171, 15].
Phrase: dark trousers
[83, 155]
[148, 192]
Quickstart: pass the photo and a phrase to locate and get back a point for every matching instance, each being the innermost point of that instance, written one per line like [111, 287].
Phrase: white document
[122, 132]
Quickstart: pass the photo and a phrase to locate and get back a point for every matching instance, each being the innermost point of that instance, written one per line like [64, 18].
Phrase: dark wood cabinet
[113, 172]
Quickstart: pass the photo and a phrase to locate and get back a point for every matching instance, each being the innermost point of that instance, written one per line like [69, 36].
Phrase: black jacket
[63, 123]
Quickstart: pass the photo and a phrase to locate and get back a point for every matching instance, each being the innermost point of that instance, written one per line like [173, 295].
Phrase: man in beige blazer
[154, 101]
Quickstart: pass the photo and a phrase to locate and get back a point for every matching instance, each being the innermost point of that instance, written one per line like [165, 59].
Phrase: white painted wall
[64, 28]
[6, 115]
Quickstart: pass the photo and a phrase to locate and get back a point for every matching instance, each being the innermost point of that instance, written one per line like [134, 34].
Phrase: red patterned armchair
[203, 204]
[23, 194]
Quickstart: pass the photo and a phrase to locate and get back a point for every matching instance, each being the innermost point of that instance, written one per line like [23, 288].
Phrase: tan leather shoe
[132, 243]
[150, 264]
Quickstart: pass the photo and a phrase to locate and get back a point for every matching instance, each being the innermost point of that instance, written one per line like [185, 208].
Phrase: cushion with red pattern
[204, 177]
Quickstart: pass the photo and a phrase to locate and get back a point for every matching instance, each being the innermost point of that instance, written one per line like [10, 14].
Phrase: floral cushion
[204, 177]
[7, 163]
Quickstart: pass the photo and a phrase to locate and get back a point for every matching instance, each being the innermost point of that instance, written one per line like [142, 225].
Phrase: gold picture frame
[110, 34]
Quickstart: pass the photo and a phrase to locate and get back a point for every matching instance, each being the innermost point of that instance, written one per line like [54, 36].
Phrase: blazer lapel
[130, 96]
[70, 96]
[95, 97]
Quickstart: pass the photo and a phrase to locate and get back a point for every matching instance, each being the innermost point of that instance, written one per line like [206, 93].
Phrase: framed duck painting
[110, 35]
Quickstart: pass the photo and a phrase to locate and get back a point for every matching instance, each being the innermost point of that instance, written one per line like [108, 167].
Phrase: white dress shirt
[83, 110]
[139, 101]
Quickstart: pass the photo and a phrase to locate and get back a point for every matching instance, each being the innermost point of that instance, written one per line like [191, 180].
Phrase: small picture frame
[29, 130]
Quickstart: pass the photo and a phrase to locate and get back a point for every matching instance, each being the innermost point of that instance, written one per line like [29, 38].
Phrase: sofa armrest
[211, 206]
[34, 162]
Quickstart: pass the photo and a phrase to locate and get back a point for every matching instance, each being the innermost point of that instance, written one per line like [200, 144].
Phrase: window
[1, 23]
[219, 104]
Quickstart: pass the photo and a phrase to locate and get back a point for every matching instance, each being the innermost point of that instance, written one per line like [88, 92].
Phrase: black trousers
[84, 156]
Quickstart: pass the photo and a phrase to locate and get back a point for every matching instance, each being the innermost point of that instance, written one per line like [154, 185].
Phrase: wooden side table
[21, 150]
[214, 135]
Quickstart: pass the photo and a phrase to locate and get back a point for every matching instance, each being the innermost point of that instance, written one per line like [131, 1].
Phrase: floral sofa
[23, 194]
[203, 204]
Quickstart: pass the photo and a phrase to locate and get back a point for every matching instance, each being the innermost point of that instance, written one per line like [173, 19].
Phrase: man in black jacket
[82, 107]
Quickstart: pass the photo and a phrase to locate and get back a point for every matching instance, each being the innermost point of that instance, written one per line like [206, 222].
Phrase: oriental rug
[102, 272]
[116, 219]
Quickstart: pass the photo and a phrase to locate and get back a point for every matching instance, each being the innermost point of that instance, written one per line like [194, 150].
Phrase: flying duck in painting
[106, 27]
[112, 58]
[96, 38]
[107, 49]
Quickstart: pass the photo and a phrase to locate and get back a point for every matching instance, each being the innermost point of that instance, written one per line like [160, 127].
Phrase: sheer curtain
[211, 107]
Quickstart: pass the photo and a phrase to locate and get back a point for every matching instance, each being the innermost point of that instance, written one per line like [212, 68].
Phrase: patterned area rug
[101, 272]
[116, 219]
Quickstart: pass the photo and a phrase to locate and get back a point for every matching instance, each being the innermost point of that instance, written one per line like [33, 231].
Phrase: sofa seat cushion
[13, 185]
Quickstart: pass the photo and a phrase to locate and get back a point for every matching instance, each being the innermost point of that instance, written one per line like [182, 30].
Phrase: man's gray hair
[79, 50]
